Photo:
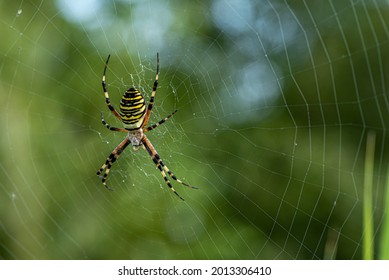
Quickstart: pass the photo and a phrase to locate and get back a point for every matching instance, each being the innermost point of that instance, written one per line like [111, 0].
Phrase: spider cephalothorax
[135, 116]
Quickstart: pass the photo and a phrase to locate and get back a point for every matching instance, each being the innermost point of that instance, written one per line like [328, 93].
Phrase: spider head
[135, 137]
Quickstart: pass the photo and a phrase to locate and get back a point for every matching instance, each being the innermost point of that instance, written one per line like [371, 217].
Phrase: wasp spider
[135, 117]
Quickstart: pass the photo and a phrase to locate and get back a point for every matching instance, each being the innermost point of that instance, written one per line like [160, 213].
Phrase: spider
[135, 117]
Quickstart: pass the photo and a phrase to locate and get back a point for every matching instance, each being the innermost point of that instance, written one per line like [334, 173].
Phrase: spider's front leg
[110, 160]
[162, 167]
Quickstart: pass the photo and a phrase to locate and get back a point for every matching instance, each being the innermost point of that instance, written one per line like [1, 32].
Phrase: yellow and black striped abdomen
[132, 108]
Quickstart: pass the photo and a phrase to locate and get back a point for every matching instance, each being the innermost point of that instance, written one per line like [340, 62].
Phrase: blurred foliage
[274, 109]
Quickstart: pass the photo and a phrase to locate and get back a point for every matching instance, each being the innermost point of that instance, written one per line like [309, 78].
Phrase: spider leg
[111, 127]
[159, 123]
[110, 107]
[110, 160]
[161, 166]
[151, 102]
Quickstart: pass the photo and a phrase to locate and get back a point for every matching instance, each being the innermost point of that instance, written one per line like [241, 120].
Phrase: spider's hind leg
[159, 123]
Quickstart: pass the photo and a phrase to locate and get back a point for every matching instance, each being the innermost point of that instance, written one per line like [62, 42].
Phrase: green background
[275, 101]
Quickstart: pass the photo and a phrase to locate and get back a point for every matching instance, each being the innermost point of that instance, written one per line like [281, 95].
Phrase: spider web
[275, 100]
